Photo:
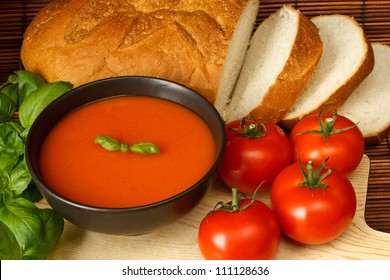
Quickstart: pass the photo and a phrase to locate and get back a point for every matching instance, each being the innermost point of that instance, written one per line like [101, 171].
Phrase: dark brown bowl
[133, 220]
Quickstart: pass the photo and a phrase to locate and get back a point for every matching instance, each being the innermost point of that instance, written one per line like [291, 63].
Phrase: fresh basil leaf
[31, 193]
[4, 180]
[26, 232]
[13, 79]
[5, 192]
[12, 91]
[9, 246]
[28, 82]
[108, 143]
[4, 117]
[36, 230]
[20, 178]
[11, 145]
[7, 108]
[23, 218]
[54, 226]
[34, 103]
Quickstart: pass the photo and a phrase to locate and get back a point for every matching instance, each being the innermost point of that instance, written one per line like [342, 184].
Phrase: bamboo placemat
[378, 194]
[372, 15]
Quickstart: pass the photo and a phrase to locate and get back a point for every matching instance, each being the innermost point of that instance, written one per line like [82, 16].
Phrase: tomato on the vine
[243, 229]
[313, 206]
[317, 137]
[255, 153]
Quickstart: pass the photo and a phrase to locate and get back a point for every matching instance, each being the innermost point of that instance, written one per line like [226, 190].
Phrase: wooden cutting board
[179, 240]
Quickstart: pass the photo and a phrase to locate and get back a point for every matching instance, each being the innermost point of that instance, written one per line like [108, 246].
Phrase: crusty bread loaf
[283, 53]
[369, 104]
[346, 60]
[84, 40]
[236, 54]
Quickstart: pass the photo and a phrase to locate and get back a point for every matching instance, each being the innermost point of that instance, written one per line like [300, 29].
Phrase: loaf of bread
[180, 40]
[283, 53]
[346, 61]
[368, 105]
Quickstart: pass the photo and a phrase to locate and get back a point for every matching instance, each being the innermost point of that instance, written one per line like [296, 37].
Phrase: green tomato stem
[310, 175]
[250, 128]
[327, 127]
[235, 205]
[235, 200]
[313, 180]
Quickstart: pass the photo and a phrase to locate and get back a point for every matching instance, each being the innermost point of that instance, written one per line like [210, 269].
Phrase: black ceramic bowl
[134, 220]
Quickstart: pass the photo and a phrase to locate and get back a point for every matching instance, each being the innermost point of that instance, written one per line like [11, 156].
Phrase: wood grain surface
[179, 239]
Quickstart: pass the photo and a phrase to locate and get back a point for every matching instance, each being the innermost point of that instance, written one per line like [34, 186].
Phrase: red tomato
[312, 216]
[345, 149]
[248, 234]
[249, 161]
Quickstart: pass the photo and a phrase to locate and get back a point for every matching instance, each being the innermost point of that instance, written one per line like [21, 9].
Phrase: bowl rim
[46, 189]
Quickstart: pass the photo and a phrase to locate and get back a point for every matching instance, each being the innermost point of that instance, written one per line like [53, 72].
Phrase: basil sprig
[111, 144]
[26, 231]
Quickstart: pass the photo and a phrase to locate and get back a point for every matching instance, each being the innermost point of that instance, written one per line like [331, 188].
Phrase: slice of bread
[369, 104]
[236, 53]
[283, 53]
[346, 60]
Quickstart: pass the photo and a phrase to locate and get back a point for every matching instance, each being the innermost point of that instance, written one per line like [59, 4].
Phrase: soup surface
[77, 168]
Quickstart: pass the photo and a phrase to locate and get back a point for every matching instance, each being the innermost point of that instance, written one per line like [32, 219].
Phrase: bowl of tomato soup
[125, 155]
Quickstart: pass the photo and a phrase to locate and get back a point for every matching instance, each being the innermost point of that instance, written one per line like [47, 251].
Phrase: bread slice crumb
[369, 104]
[346, 60]
[283, 53]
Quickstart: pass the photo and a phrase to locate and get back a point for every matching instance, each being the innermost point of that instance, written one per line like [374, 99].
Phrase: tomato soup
[80, 170]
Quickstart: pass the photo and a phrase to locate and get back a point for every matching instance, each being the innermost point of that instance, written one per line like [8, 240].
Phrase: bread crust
[338, 97]
[303, 60]
[83, 40]
[371, 140]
